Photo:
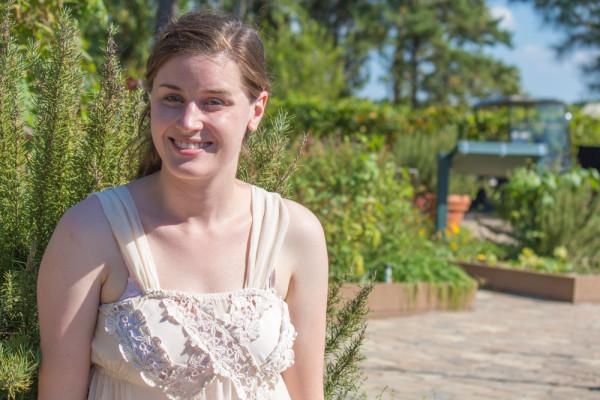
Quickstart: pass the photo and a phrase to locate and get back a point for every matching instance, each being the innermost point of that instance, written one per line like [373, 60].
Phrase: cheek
[161, 117]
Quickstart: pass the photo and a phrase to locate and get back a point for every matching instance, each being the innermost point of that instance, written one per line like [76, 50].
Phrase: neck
[205, 203]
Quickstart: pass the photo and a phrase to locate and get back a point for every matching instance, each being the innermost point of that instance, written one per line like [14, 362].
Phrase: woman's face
[199, 114]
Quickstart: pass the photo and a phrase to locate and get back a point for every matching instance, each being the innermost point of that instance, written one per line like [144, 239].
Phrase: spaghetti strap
[119, 208]
[270, 220]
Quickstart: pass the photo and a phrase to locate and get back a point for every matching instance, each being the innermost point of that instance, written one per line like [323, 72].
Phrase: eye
[173, 99]
[213, 103]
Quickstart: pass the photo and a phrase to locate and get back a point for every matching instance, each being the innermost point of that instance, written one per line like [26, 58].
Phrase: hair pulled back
[199, 33]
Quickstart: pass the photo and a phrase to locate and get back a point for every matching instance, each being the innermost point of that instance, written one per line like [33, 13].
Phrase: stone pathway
[508, 347]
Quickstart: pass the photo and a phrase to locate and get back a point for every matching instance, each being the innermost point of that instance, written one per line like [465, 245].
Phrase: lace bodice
[178, 345]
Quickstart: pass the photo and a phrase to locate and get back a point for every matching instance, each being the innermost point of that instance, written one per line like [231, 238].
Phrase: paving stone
[507, 347]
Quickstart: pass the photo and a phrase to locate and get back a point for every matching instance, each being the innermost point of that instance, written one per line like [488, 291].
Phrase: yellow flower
[359, 265]
[561, 252]
[480, 257]
[527, 252]
[453, 246]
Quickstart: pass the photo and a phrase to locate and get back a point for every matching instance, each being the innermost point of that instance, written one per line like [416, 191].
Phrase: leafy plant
[46, 167]
[584, 129]
[346, 328]
[549, 211]
[420, 151]
[363, 201]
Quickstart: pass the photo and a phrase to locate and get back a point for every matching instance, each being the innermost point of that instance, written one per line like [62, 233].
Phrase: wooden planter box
[567, 287]
[395, 299]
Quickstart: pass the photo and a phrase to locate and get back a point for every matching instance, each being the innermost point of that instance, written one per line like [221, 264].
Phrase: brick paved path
[508, 347]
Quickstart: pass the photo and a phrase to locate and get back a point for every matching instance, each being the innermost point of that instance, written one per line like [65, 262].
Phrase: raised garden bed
[396, 299]
[565, 287]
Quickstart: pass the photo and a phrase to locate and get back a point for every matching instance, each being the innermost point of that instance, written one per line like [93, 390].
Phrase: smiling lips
[190, 147]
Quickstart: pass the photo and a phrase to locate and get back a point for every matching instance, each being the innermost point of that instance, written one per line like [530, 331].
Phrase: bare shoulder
[303, 222]
[305, 239]
[80, 239]
[84, 222]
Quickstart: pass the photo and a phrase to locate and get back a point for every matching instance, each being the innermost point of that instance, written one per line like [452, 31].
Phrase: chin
[200, 171]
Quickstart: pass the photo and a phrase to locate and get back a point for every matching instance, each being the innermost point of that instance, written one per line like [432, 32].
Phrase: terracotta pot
[458, 205]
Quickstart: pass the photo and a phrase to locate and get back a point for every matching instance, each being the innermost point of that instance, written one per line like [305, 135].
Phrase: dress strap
[270, 220]
[120, 211]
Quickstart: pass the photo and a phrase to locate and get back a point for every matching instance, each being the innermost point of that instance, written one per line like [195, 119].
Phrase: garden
[68, 127]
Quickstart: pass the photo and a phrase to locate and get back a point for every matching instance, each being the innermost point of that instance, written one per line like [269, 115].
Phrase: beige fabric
[166, 344]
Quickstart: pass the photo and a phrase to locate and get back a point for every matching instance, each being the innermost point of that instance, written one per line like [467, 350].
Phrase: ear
[257, 110]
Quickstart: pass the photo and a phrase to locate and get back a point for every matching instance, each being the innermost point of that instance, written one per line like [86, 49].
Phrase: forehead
[201, 72]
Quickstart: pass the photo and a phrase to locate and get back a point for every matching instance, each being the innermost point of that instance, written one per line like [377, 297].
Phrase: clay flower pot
[458, 205]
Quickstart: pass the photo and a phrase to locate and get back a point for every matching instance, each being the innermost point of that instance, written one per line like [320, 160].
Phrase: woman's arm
[68, 293]
[307, 302]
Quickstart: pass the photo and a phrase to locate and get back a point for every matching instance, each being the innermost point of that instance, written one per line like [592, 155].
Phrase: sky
[542, 73]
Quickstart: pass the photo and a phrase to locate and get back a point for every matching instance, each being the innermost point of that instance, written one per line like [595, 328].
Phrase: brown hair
[207, 34]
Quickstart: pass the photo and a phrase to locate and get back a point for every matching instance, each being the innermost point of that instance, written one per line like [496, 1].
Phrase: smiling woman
[200, 113]
[188, 283]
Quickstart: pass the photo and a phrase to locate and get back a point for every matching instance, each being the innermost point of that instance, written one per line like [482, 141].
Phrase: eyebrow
[210, 91]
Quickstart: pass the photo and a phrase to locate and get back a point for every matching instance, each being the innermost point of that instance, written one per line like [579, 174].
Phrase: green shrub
[584, 129]
[363, 201]
[353, 116]
[552, 213]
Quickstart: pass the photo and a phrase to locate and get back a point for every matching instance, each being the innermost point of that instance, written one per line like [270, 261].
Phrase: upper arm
[68, 292]
[307, 302]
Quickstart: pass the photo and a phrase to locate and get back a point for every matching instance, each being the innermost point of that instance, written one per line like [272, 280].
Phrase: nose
[191, 118]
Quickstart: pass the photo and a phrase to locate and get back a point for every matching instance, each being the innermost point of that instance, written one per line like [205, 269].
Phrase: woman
[173, 286]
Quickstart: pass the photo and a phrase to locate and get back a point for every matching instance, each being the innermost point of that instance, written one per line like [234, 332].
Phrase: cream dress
[164, 344]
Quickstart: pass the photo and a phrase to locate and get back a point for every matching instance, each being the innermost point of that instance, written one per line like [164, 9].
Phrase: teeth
[186, 145]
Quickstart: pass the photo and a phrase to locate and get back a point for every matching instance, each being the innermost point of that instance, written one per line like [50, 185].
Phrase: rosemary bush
[77, 143]
[47, 166]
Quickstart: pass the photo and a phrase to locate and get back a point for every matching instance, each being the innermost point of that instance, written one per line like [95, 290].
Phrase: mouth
[190, 147]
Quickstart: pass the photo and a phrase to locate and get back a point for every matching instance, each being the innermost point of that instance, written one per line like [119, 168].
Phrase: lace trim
[217, 344]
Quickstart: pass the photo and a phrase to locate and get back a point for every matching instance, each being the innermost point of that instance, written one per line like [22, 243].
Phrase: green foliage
[463, 245]
[264, 160]
[37, 19]
[346, 327]
[57, 86]
[584, 129]
[12, 144]
[365, 210]
[294, 41]
[420, 151]
[552, 213]
[556, 264]
[437, 52]
[104, 157]
[357, 28]
[364, 200]
[353, 116]
[17, 369]
[46, 167]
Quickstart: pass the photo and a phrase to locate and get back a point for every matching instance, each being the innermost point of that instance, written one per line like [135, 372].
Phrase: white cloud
[507, 21]
[584, 56]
